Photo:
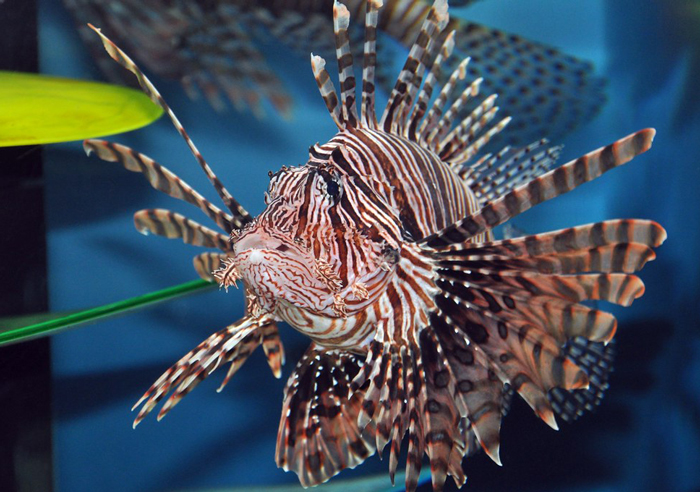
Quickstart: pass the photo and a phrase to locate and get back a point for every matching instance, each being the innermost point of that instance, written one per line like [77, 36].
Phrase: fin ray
[173, 225]
[120, 57]
[232, 344]
[316, 439]
[550, 185]
[162, 179]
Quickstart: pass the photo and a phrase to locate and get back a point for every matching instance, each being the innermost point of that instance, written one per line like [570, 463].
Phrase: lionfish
[381, 250]
[220, 49]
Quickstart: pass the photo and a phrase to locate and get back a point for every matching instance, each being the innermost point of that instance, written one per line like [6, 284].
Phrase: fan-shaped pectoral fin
[318, 434]
[233, 344]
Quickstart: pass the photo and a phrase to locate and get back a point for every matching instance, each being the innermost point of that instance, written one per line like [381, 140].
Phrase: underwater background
[644, 436]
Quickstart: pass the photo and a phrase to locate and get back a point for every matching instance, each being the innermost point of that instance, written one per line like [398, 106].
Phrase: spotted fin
[209, 48]
[492, 176]
[507, 319]
[517, 304]
[318, 434]
[596, 358]
[497, 328]
[441, 394]
[213, 49]
[550, 93]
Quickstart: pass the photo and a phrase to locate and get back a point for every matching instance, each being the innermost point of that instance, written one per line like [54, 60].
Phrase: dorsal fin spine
[369, 64]
[346, 75]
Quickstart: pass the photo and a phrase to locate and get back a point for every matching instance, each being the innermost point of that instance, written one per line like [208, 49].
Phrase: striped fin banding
[121, 57]
[405, 110]
[272, 346]
[369, 63]
[620, 257]
[173, 225]
[233, 344]
[411, 76]
[497, 175]
[610, 232]
[429, 123]
[550, 185]
[318, 434]
[435, 138]
[325, 86]
[341, 21]
[510, 302]
[206, 263]
[162, 179]
[431, 79]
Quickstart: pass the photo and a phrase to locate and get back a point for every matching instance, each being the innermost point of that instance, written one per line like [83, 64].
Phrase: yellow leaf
[38, 109]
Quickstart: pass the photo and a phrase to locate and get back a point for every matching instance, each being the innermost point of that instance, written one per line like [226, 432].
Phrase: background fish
[380, 249]
[227, 50]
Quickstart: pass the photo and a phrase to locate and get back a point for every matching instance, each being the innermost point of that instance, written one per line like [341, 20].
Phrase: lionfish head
[317, 246]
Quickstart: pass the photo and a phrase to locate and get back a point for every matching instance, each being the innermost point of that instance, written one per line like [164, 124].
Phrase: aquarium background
[643, 437]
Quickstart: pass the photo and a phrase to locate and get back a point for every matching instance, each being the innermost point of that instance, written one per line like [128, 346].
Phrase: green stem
[14, 334]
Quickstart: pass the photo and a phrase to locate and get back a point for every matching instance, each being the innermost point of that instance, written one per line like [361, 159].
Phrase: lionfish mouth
[256, 258]
[258, 241]
[267, 265]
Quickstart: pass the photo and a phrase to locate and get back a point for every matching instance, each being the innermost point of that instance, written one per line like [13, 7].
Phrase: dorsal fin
[327, 90]
[411, 75]
[369, 63]
[405, 111]
[341, 21]
[427, 91]
[550, 185]
[435, 113]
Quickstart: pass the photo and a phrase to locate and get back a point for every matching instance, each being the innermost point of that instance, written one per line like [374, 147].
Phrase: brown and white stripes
[380, 249]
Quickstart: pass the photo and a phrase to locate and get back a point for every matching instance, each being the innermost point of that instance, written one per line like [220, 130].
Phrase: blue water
[644, 436]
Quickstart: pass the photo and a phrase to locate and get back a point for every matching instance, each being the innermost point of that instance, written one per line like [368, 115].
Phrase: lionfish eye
[332, 185]
[333, 189]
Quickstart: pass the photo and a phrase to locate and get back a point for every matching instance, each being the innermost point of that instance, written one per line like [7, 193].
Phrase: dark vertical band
[25, 409]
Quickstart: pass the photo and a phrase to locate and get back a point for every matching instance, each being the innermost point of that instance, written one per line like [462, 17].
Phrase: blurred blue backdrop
[643, 437]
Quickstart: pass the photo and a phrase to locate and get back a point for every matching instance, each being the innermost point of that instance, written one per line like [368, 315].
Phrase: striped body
[380, 249]
[360, 237]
